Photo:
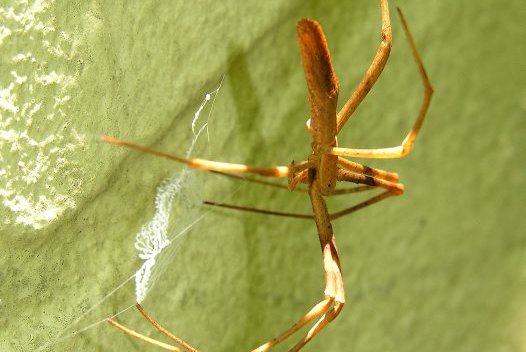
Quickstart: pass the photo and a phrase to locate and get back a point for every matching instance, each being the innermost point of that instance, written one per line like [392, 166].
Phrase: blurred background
[442, 268]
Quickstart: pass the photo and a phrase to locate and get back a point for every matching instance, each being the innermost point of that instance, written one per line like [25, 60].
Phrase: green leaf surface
[441, 268]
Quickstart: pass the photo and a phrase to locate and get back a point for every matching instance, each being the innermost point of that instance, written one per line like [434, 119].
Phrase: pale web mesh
[177, 205]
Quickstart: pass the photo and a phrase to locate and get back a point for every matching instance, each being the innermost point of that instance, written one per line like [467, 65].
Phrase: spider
[324, 167]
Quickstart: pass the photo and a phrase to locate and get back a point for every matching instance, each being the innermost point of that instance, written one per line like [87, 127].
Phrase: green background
[442, 268]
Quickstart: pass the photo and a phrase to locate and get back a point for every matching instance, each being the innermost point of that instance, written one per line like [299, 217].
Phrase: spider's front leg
[373, 72]
[407, 144]
[210, 165]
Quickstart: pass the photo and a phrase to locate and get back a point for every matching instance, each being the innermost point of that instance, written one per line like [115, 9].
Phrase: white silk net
[177, 210]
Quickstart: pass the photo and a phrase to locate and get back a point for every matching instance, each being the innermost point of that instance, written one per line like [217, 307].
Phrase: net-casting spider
[323, 168]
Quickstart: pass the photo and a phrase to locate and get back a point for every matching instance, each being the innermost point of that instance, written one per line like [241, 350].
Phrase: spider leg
[143, 338]
[366, 170]
[298, 177]
[259, 211]
[276, 171]
[263, 182]
[350, 176]
[372, 73]
[316, 311]
[302, 177]
[333, 216]
[408, 142]
[320, 324]
[373, 177]
[164, 330]
[361, 205]
[354, 178]
[339, 192]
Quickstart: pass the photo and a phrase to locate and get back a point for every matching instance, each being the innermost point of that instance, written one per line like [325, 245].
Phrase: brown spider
[323, 168]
